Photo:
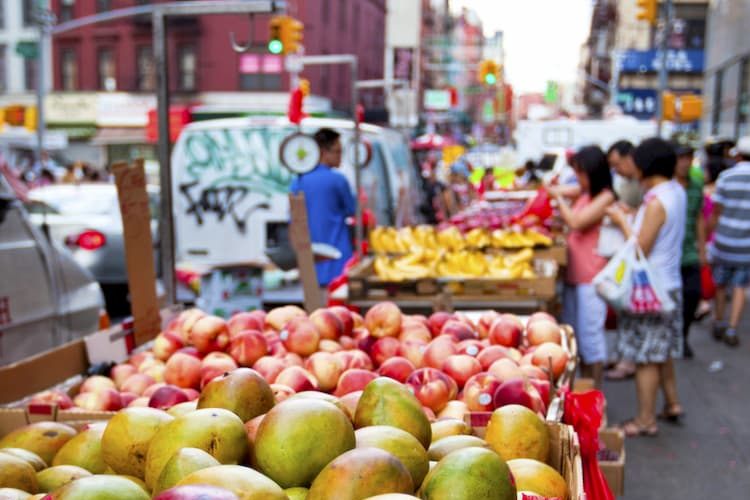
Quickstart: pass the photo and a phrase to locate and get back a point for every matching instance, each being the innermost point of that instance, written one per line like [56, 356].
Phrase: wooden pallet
[364, 284]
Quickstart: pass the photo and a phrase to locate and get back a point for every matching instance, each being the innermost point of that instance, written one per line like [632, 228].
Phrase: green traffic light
[490, 79]
[275, 46]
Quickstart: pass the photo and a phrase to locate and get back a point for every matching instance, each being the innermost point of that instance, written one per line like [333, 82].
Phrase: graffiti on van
[232, 174]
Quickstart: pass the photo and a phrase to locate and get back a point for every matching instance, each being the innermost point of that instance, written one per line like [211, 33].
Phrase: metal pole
[663, 70]
[40, 84]
[359, 229]
[166, 220]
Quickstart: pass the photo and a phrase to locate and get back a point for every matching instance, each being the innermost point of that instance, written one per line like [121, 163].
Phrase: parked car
[86, 218]
[46, 297]
[230, 188]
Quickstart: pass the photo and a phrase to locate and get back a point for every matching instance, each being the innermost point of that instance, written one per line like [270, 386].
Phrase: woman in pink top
[583, 308]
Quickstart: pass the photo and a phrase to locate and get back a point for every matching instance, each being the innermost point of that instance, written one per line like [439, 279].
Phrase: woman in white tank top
[651, 341]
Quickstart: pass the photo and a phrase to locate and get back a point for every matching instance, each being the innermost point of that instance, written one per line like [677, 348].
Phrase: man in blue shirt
[329, 202]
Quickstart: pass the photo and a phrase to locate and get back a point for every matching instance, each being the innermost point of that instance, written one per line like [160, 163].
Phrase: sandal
[632, 428]
[621, 371]
[672, 414]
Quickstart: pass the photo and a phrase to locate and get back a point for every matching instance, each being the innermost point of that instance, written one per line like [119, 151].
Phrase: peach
[349, 320]
[360, 333]
[415, 331]
[350, 402]
[542, 330]
[281, 392]
[436, 321]
[550, 356]
[152, 389]
[183, 370]
[240, 322]
[191, 394]
[119, 373]
[127, 397]
[438, 350]
[470, 347]
[544, 388]
[534, 372]
[53, 397]
[515, 354]
[383, 320]
[210, 333]
[215, 364]
[479, 391]
[345, 358]
[292, 359]
[506, 331]
[137, 384]
[518, 392]
[278, 317]
[360, 359]
[156, 372]
[326, 368]
[96, 383]
[247, 347]
[429, 414]
[413, 350]
[432, 388]
[300, 336]
[251, 427]
[397, 368]
[485, 323]
[269, 367]
[192, 351]
[297, 378]
[352, 380]
[455, 409]
[142, 401]
[383, 349]
[102, 399]
[347, 342]
[166, 344]
[166, 397]
[139, 357]
[459, 330]
[328, 324]
[185, 322]
[461, 367]
[506, 369]
[326, 345]
[149, 363]
[540, 315]
[490, 354]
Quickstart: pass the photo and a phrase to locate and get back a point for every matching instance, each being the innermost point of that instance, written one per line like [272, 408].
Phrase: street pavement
[709, 455]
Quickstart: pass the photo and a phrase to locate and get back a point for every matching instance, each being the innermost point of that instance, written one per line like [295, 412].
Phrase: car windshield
[81, 202]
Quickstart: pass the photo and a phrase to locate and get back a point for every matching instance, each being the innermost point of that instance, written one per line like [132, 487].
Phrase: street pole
[663, 70]
[45, 20]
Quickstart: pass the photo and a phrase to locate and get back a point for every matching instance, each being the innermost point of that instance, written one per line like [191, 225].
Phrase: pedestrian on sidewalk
[584, 309]
[694, 243]
[652, 341]
[730, 252]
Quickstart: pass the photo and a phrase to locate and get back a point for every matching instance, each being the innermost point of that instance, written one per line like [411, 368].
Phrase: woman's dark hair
[714, 166]
[593, 162]
[623, 148]
[326, 138]
[655, 156]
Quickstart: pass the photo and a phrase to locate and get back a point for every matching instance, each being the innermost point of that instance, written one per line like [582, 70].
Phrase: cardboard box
[15, 418]
[564, 453]
[613, 470]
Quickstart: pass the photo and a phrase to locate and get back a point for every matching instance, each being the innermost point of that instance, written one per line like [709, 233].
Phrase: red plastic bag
[708, 287]
[536, 211]
[584, 412]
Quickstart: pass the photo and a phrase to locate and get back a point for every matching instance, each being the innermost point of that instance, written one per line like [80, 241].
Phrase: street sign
[27, 50]
[550, 95]
[437, 99]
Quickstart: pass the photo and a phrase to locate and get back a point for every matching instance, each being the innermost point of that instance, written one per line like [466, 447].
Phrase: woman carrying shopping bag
[652, 340]
[584, 310]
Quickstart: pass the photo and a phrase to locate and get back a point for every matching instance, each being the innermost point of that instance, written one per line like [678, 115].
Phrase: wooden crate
[364, 284]
[614, 470]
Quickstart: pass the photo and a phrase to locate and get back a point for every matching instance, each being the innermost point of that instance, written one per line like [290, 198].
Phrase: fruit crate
[564, 453]
[612, 442]
[15, 418]
[543, 287]
[364, 284]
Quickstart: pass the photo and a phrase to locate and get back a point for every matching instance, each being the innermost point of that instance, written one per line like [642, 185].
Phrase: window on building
[146, 69]
[69, 69]
[716, 102]
[103, 5]
[186, 67]
[29, 73]
[743, 106]
[67, 8]
[3, 65]
[27, 13]
[105, 63]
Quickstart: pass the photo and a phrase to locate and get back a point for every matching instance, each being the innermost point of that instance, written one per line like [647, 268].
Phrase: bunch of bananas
[512, 266]
[421, 263]
[388, 240]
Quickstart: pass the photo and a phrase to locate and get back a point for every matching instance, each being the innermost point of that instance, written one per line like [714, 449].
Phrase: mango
[17, 473]
[538, 477]
[469, 474]
[361, 473]
[515, 431]
[84, 450]
[58, 476]
[296, 493]
[42, 438]
[449, 427]
[100, 487]
[181, 409]
[214, 430]
[182, 463]
[439, 449]
[387, 402]
[243, 391]
[398, 443]
[297, 438]
[127, 438]
[27, 456]
[246, 483]
[14, 494]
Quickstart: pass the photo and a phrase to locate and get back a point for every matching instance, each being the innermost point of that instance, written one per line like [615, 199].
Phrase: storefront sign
[437, 100]
[71, 108]
[119, 109]
[649, 61]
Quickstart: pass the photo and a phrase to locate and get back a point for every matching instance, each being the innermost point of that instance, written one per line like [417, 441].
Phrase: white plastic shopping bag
[614, 283]
[648, 295]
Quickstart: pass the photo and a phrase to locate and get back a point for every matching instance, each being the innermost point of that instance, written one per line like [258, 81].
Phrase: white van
[46, 298]
[230, 189]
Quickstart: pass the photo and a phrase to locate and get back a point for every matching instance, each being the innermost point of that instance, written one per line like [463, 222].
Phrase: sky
[542, 37]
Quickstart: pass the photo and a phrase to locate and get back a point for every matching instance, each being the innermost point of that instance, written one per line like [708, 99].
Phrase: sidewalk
[709, 456]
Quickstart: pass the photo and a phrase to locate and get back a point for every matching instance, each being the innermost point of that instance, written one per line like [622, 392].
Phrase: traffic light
[275, 45]
[691, 108]
[291, 34]
[668, 106]
[488, 72]
[647, 10]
